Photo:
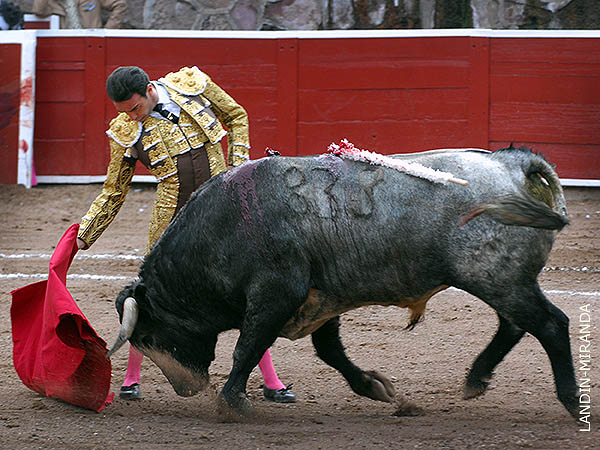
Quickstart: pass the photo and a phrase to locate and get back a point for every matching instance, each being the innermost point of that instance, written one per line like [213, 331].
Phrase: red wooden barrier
[390, 92]
[10, 75]
[545, 93]
[17, 83]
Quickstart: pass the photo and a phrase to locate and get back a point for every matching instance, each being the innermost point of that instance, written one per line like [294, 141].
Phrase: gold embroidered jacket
[181, 156]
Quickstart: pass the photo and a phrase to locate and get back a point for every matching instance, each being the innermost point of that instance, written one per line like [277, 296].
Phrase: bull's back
[348, 219]
[357, 229]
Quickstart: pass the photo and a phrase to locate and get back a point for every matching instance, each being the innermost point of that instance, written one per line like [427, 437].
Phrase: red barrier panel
[10, 76]
[545, 94]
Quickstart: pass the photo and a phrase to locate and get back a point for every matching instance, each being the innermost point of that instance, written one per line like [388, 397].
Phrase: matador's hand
[81, 244]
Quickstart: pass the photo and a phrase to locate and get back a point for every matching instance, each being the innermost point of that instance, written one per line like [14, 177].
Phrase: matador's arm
[235, 118]
[106, 206]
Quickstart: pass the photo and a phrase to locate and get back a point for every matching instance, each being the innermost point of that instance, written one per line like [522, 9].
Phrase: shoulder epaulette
[186, 81]
[124, 131]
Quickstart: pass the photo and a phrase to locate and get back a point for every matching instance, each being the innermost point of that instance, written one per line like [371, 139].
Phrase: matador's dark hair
[126, 81]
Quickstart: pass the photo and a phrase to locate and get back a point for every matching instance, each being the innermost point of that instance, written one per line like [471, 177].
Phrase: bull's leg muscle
[328, 344]
[480, 374]
[529, 309]
[269, 306]
[554, 337]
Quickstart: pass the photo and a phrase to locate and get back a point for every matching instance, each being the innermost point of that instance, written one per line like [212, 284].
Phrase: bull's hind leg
[328, 344]
[529, 310]
[329, 348]
[480, 374]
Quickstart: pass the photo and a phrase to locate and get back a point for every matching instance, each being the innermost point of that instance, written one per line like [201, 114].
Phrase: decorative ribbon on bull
[347, 150]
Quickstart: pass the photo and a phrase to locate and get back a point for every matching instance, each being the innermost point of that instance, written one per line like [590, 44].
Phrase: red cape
[56, 351]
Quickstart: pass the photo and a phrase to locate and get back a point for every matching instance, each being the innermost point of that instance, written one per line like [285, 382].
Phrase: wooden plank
[97, 152]
[383, 94]
[55, 157]
[260, 104]
[60, 49]
[60, 65]
[387, 74]
[571, 160]
[175, 52]
[544, 69]
[287, 96]
[381, 104]
[541, 50]
[539, 122]
[263, 134]
[10, 100]
[258, 76]
[366, 50]
[479, 92]
[57, 121]
[60, 86]
[385, 137]
[547, 88]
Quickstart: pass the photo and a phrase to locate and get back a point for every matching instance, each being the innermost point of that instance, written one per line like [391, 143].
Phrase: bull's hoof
[571, 403]
[380, 388]
[407, 409]
[474, 389]
[238, 406]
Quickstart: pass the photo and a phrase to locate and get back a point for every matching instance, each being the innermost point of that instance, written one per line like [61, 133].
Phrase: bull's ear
[139, 292]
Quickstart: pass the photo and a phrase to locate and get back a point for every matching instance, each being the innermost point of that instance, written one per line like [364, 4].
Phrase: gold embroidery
[124, 131]
[187, 81]
[205, 120]
[239, 155]
[165, 170]
[216, 159]
[202, 115]
[165, 204]
[105, 207]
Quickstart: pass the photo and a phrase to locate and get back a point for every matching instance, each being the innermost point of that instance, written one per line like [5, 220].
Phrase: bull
[281, 246]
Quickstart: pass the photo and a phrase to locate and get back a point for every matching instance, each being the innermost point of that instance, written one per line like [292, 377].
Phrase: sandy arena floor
[428, 364]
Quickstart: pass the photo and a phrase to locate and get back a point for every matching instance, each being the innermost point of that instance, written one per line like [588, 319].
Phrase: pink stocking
[265, 365]
[133, 366]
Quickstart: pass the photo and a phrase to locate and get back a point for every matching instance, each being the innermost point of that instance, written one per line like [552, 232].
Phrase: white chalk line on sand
[80, 276]
[77, 256]
[86, 276]
[112, 256]
[108, 256]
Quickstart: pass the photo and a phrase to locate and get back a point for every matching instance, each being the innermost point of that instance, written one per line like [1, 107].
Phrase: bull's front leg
[267, 310]
[371, 384]
[249, 349]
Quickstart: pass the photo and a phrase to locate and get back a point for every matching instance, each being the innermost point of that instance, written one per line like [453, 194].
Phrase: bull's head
[177, 355]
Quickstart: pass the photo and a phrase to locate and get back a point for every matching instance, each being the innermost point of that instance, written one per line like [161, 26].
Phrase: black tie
[166, 114]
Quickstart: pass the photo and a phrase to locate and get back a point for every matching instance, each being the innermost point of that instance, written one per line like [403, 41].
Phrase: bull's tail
[519, 210]
[540, 204]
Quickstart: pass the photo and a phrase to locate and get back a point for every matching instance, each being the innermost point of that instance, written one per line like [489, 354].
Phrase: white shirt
[165, 100]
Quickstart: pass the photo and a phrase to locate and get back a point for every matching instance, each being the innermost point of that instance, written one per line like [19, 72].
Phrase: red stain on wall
[23, 146]
[27, 91]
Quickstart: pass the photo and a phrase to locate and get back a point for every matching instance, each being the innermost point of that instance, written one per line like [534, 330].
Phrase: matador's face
[137, 106]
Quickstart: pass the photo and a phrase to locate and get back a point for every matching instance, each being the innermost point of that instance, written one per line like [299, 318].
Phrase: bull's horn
[130, 316]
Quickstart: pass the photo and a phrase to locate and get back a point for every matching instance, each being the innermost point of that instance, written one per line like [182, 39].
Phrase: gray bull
[281, 246]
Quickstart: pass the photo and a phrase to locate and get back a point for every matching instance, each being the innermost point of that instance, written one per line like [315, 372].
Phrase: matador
[181, 153]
